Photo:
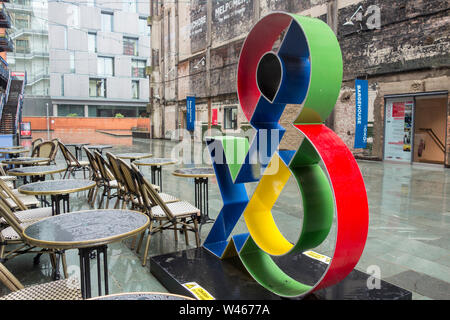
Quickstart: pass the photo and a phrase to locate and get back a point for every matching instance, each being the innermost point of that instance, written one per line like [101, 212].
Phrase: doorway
[430, 129]
[416, 127]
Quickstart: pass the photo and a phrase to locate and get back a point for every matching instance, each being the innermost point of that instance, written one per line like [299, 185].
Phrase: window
[130, 5]
[138, 68]
[130, 46]
[21, 21]
[230, 118]
[144, 29]
[92, 42]
[71, 110]
[135, 89]
[105, 66]
[72, 62]
[23, 45]
[90, 3]
[97, 88]
[107, 22]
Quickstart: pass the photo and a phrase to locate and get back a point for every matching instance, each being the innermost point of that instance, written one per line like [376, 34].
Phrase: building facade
[29, 33]
[401, 48]
[83, 58]
[98, 55]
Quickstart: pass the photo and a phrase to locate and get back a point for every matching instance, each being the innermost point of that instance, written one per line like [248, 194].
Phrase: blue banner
[190, 113]
[362, 113]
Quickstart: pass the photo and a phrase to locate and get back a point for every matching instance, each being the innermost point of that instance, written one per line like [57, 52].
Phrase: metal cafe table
[99, 147]
[132, 156]
[25, 161]
[13, 152]
[78, 151]
[155, 164]
[200, 176]
[88, 231]
[37, 173]
[58, 190]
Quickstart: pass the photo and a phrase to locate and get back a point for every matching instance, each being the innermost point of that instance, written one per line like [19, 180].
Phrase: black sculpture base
[228, 280]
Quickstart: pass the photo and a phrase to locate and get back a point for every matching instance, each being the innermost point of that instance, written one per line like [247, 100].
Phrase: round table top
[55, 187]
[25, 160]
[143, 296]
[12, 147]
[14, 151]
[36, 170]
[84, 229]
[134, 155]
[99, 146]
[194, 172]
[76, 144]
[155, 162]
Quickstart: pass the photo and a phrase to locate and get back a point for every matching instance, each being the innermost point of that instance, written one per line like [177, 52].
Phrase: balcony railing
[4, 73]
[5, 18]
[5, 43]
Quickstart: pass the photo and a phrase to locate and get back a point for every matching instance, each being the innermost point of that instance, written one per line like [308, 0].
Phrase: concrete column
[55, 110]
[86, 111]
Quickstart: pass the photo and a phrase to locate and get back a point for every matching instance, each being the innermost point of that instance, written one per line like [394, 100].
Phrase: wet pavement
[408, 242]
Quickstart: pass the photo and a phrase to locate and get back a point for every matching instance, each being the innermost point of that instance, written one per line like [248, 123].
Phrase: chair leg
[2, 252]
[175, 231]
[147, 245]
[197, 235]
[133, 243]
[116, 205]
[186, 237]
[138, 248]
[64, 264]
[102, 197]
[108, 195]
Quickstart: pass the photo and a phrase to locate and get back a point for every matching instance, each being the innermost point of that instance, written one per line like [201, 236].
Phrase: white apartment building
[85, 57]
[98, 53]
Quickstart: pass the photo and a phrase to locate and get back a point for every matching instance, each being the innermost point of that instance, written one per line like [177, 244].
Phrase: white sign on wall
[399, 129]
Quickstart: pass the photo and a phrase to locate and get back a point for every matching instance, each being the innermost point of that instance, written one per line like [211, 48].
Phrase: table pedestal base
[156, 176]
[85, 270]
[56, 203]
[201, 200]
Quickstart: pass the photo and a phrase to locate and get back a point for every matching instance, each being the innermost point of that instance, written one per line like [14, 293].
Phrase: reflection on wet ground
[408, 242]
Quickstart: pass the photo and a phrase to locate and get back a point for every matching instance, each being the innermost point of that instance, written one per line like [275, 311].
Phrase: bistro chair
[66, 289]
[179, 215]
[12, 235]
[108, 181]
[133, 188]
[45, 150]
[34, 143]
[15, 200]
[73, 165]
[94, 176]
[122, 186]
[10, 180]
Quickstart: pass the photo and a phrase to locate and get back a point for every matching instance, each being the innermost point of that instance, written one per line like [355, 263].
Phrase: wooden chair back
[103, 167]
[6, 192]
[93, 163]
[8, 279]
[10, 218]
[34, 143]
[131, 185]
[44, 150]
[149, 193]
[68, 156]
[115, 169]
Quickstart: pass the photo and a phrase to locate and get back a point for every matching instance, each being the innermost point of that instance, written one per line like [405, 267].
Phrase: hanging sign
[214, 117]
[190, 113]
[362, 113]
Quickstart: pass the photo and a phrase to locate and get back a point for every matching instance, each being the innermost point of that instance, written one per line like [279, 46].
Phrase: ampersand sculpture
[286, 94]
